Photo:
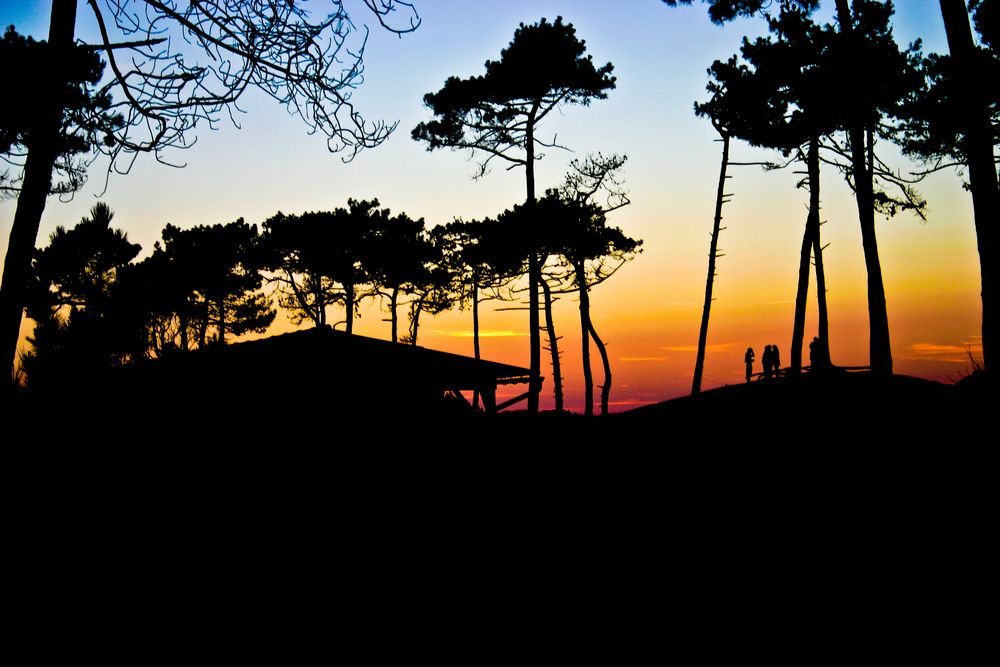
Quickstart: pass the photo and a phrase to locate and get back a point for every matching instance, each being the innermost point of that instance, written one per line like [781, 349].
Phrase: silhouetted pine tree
[498, 113]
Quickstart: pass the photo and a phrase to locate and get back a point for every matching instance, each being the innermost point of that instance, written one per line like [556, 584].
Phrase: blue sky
[660, 57]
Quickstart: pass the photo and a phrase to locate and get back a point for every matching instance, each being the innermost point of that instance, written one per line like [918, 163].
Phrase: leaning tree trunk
[978, 150]
[393, 299]
[415, 311]
[38, 166]
[183, 319]
[588, 374]
[475, 333]
[349, 304]
[534, 274]
[805, 255]
[713, 249]
[606, 387]
[550, 329]
[824, 320]
[222, 321]
[879, 349]
[320, 301]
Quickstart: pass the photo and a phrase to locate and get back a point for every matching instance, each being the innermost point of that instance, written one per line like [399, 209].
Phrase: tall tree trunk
[302, 301]
[35, 187]
[475, 332]
[415, 320]
[183, 319]
[805, 255]
[320, 301]
[534, 274]
[606, 387]
[222, 321]
[550, 328]
[824, 320]
[713, 249]
[392, 305]
[203, 332]
[978, 150]
[588, 374]
[349, 303]
[879, 349]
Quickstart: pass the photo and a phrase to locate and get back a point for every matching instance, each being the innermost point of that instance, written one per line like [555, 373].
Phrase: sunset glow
[649, 312]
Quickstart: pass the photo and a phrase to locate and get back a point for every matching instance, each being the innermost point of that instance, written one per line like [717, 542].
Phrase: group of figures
[771, 360]
[819, 354]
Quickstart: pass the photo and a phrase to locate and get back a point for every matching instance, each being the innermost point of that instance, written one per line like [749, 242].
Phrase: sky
[649, 313]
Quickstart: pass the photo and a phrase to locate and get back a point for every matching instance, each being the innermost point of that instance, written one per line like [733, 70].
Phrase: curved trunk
[183, 319]
[35, 187]
[809, 243]
[606, 387]
[534, 274]
[475, 333]
[222, 321]
[393, 298]
[415, 319]
[978, 151]
[550, 329]
[203, 330]
[699, 362]
[320, 302]
[588, 374]
[879, 349]
[349, 304]
[824, 321]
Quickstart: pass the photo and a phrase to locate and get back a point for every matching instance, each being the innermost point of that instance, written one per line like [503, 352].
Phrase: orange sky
[649, 313]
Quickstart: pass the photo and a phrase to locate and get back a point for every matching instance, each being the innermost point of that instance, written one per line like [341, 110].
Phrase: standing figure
[748, 360]
[814, 353]
[775, 361]
[765, 361]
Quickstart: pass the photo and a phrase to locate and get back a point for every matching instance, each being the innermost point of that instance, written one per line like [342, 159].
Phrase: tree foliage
[496, 113]
[85, 119]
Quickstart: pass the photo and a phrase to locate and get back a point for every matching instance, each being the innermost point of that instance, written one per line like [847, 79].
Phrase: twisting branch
[189, 64]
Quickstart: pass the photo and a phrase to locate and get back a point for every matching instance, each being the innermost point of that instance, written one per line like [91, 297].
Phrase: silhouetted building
[316, 369]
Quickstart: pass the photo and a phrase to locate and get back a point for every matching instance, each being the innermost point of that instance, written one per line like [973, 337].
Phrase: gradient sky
[650, 311]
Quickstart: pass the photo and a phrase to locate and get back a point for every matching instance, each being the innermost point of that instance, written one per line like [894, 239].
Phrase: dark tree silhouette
[398, 260]
[160, 93]
[594, 251]
[485, 260]
[433, 288]
[497, 114]
[296, 252]
[873, 78]
[576, 232]
[222, 265]
[782, 103]
[713, 247]
[80, 323]
[354, 231]
[955, 121]
[534, 235]
[163, 290]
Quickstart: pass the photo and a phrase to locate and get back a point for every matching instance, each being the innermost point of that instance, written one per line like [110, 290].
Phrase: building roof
[379, 359]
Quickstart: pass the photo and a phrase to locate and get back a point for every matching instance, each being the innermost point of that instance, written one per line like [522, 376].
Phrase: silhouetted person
[748, 360]
[775, 361]
[819, 355]
[765, 362]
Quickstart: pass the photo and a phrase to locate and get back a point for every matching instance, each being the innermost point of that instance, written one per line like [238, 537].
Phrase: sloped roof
[379, 360]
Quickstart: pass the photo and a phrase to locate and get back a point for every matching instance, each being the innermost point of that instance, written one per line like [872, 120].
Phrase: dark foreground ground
[833, 488]
[838, 409]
